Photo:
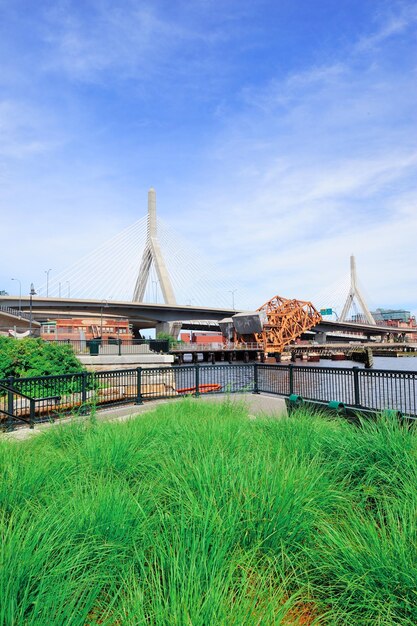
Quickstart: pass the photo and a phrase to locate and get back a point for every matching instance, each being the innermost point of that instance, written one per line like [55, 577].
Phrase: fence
[113, 346]
[46, 397]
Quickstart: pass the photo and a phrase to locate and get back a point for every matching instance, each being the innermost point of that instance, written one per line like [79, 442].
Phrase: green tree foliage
[172, 342]
[35, 357]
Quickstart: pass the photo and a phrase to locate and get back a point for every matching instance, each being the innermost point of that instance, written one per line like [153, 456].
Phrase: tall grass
[196, 515]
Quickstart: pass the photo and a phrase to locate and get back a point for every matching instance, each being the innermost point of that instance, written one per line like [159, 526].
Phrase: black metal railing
[46, 397]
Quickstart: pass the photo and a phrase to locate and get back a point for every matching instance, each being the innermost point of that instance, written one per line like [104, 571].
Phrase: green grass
[196, 515]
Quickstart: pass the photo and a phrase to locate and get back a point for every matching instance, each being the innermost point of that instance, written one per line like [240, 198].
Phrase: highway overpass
[145, 315]
[141, 315]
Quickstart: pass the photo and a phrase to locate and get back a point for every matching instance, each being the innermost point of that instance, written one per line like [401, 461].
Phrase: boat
[313, 357]
[338, 356]
[201, 388]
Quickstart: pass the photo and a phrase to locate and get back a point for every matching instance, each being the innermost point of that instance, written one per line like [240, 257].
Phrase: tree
[35, 357]
[172, 342]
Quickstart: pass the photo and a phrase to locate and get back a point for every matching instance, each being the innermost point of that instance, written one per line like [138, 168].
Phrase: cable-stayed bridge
[146, 263]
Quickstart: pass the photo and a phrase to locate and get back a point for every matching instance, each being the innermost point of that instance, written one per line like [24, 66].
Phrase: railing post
[197, 380]
[120, 347]
[356, 388]
[255, 378]
[291, 379]
[32, 413]
[10, 403]
[139, 386]
[83, 392]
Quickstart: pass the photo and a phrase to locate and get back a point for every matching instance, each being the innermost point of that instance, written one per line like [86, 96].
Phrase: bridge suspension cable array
[110, 271]
[346, 298]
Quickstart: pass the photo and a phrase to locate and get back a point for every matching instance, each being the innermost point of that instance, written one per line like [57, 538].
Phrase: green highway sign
[326, 311]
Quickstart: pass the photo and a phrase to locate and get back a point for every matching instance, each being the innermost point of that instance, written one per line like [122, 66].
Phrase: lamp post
[20, 294]
[47, 281]
[233, 291]
[69, 288]
[104, 303]
[31, 293]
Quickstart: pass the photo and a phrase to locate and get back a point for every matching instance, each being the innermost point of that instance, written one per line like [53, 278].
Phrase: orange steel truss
[286, 320]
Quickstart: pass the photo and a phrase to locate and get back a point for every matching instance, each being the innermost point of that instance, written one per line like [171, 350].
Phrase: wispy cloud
[289, 168]
[22, 131]
[130, 39]
[321, 158]
[403, 17]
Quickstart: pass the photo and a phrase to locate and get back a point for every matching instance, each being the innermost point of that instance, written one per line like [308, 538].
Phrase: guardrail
[113, 346]
[15, 312]
[226, 347]
[354, 388]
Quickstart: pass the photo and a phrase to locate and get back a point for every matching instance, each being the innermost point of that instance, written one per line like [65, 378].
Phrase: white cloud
[297, 172]
[23, 131]
[402, 17]
[311, 171]
[128, 39]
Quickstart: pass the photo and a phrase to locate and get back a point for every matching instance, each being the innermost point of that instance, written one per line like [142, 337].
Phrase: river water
[398, 364]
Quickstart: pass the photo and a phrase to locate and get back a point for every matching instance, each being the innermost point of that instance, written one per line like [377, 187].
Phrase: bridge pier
[321, 337]
[168, 328]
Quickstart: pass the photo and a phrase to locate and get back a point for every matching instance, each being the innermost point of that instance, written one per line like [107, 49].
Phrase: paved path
[257, 404]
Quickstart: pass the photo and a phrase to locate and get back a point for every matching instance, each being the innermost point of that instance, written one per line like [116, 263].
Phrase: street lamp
[69, 288]
[31, 293]
[233, 291]
[47, 281]
[104, 303]
[20, 294]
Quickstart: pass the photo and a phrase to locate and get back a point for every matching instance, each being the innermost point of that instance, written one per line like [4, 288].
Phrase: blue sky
[280, 137]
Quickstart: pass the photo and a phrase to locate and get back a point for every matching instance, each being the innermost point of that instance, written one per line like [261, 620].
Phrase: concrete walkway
[256, 404]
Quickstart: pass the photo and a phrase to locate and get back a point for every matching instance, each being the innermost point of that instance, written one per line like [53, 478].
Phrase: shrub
[35, 357]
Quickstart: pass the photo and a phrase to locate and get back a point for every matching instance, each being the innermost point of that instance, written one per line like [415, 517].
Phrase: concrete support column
[170, 328]
[321, 337]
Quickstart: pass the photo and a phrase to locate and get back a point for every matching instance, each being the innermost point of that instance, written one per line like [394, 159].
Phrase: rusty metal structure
[284, 321]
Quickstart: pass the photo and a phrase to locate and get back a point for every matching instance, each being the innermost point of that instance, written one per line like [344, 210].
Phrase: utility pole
[233, 291]
[31, 293]
[47, 281]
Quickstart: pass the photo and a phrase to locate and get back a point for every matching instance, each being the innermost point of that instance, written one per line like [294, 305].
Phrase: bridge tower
[354, 293]
[153, 254]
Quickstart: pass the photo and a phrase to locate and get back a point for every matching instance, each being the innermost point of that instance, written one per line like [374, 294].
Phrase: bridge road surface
[142, 315]
[145, 315]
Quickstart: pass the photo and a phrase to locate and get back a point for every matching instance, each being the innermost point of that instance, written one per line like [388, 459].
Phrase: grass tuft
[197, 515]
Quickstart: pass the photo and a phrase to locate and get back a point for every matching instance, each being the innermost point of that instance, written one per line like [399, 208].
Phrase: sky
[280, 137]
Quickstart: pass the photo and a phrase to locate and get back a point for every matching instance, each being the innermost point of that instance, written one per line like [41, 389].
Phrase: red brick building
[87, 328]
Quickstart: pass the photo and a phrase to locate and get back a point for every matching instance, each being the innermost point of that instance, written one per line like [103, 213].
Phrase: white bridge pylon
[153, 254]
[355, 293]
